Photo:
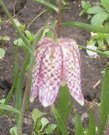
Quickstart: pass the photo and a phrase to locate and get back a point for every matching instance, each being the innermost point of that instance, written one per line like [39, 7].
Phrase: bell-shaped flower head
[55, 62]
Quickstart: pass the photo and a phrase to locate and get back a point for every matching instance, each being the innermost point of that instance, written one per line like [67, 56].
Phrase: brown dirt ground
[90, 68]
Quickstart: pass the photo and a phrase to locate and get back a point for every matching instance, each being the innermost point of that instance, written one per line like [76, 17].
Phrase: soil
[90, 68]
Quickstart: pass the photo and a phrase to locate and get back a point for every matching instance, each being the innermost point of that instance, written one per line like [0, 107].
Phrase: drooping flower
[55, 62]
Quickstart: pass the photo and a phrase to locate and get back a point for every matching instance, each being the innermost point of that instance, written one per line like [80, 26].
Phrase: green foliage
[13, 131]
[41, 124]
[36, 114]
[85, 6]
[2, 53]
[100, 40]
[29, 36]
[4, 38]
[99, 13]
[99, 17]
[105, 4]
[50, 128]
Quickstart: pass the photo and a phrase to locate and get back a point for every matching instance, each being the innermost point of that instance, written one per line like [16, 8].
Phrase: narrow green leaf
[65, 104]
[9, 108]
[20, 83]
[60, 122]
[88, 27]
[105, 3]
[48, 4]
[104, 105]
[78, 125]
[92, 125]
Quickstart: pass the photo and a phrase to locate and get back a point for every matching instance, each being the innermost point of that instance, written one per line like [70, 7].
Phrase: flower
[55, 62]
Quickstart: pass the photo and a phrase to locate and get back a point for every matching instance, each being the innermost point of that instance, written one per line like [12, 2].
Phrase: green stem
[19, 123]
[19, 95]
[59, 19]
[99, 52]
[27, 93]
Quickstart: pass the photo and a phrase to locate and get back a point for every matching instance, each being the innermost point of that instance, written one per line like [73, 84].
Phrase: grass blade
[92, 125]
[60, 122]
[20, 83]
[79, 130]
[88, 27]
[104, 106]
[47, 4]
[65, 104]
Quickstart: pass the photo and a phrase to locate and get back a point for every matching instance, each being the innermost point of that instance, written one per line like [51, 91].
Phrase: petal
[50, 75]
[71, 67]
[43, 44]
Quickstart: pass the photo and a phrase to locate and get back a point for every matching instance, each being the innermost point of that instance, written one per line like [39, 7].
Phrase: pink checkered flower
[56, 62]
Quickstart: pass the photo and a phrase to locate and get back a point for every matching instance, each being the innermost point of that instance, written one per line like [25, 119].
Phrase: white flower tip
[45, 104]
[63, 83]
[93, 34]
[32, 99]
[81, 102]
[91, 53]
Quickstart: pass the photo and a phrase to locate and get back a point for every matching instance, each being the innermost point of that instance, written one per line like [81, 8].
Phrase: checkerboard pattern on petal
[55, 61]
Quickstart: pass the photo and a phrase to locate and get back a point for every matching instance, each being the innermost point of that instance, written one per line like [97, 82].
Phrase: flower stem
[19, 123]
[59, 19]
